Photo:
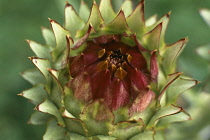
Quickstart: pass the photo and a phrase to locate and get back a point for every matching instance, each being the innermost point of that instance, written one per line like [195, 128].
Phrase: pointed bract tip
[197, 82]
[184, 40]
[28, 41]
[168, 14]
[82, 2]
[20, 94]
[153, 51]
[43, 28]
[68, 4]
[141, 2]
[91, 29]
[49, 69]
[36, 108]
[94, 2]
[121, 12]
[51, 20]
[31, 58]
[160, 24]
[69, 38]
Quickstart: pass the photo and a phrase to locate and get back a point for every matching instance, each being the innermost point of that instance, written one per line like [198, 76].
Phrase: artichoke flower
[106, 75]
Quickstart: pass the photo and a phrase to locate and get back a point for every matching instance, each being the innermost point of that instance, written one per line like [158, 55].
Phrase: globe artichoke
[106, 75]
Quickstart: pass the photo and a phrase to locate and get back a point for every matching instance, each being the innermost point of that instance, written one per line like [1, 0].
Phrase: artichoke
[106, 75]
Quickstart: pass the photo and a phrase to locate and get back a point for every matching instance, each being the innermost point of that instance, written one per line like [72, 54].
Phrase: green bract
[197, 103]
[134, 96]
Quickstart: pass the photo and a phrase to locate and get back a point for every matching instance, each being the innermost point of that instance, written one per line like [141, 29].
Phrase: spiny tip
[28, 41]
[168, 14]
[67, 4]
[51, 20]
[20, 94]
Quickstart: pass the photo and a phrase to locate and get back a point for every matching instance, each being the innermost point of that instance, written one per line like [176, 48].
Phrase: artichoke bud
[106, 75]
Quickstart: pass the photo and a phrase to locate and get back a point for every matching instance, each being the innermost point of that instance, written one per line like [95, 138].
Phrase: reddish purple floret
[115, 72]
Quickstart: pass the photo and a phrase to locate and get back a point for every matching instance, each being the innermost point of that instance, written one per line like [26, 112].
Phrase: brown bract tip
[181, 109]
[51, 20]
[184, 40]
[68, 38]
[160, 25]
[141, 5]
[20, 94]
[153, 51]
[197, 82]
[121, 13]
[94, 2]
[168, 14]
[82, 2]
[65, 114]
[36, 108]
[28, 41]
[67, 4]
[31, 58]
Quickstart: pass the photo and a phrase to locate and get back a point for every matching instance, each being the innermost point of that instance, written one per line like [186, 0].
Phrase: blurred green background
[22, 19]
